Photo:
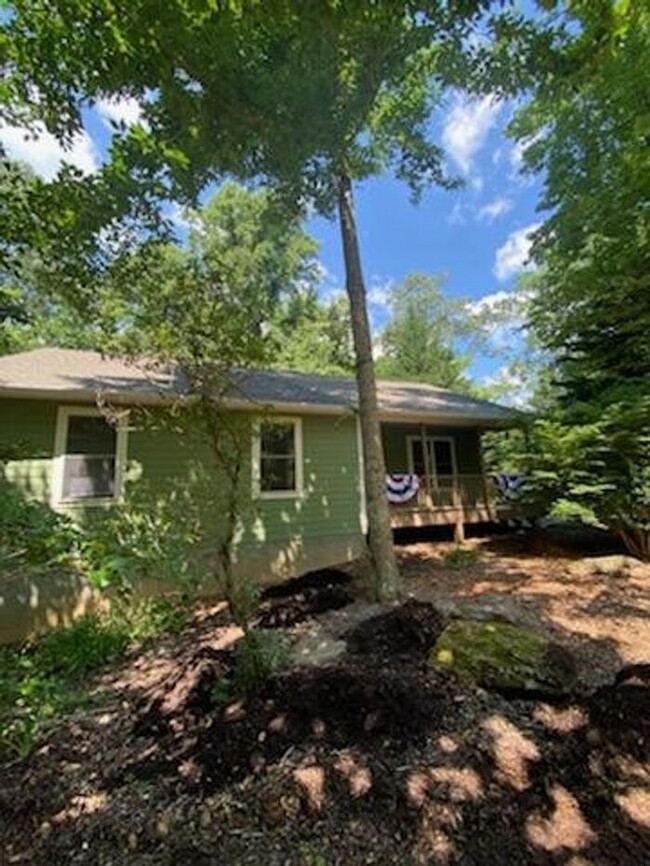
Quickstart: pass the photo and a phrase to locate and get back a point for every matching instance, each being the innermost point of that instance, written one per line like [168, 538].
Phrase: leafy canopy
[419, 343]
[256, 90]
[586, 129]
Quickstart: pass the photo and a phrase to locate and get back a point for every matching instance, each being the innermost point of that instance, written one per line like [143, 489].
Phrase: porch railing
[449, 491]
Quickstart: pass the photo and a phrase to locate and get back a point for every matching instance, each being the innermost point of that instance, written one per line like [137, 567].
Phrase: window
[89, 457]
[443, 458]
[440, 456]
[277, 458]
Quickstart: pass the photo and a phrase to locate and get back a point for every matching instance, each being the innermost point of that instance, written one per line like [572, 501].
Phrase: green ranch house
[304, 489]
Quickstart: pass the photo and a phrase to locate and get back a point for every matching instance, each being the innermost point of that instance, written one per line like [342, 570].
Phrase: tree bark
[380, 536]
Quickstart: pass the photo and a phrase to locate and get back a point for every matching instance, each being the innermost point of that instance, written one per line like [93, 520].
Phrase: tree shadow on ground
[567, 596]
[374, 759]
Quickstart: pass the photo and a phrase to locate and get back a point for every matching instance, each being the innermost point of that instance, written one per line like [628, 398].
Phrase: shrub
[145, 618]
[43, 679]
[31, 533]
[146, 537]
[84, 646]
[462, 557]
[258, 655]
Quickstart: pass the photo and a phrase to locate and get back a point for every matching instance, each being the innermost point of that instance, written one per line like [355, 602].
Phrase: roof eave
[88, 395]
[85, 395]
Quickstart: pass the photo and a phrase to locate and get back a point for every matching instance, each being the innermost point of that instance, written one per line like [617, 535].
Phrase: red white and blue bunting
[401, 488]
[510, 486]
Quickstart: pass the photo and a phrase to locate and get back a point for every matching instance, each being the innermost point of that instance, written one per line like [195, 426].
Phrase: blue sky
[476, 236]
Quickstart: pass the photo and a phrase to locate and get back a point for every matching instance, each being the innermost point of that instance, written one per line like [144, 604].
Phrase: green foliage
[287, 94]
[148, 617]
[312, 336]
[598, 469]
[86, 645]
[258, 655]
[31, 533]
[585, 130]
[462, 557]
[147, 536]
[420, 342]
[29, 699]
[43, 680]
[570, 510]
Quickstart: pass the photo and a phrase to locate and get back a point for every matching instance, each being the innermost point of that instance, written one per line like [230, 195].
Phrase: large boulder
[618, 566]
[501, 655]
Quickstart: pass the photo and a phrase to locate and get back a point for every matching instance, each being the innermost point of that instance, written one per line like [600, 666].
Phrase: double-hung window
[89, 457]
[277, 458]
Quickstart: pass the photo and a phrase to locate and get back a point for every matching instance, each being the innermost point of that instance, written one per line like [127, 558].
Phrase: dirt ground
[364, 756]
[599, 606]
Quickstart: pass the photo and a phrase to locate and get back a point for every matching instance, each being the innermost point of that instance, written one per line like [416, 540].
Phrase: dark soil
[407, 632]
[374, 760]
[305, 597]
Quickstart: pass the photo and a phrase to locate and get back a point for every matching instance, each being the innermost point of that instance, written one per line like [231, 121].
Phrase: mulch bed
[374, 759]
[304, 597]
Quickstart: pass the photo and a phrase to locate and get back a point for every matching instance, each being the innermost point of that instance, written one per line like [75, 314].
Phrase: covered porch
[453, 487]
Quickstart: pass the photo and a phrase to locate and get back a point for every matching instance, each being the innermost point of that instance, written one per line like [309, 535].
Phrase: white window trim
[256, 459]
[64, 413]
[416, 438]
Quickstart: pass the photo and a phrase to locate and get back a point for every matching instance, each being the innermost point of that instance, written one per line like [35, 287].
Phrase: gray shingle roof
[73, 374]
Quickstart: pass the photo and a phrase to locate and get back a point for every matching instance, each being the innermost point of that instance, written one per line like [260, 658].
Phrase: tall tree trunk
[386, 580]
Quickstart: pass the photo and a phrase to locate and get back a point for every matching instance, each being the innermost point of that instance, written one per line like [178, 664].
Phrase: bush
[145, 618]
[43, 679]
[88, 644]
[146, 537]
[462, 557]
[31, 533]
[258, 655]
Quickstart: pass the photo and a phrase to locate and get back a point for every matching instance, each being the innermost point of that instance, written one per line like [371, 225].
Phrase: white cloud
[490, 303]
[379, 294]
[509, 386]
[501, 318]
[119, 110]
[512, 257]
[463, 212]
[497, 156]
[494, 209]
[457, 215]
[516, 155]
[41, 150]
[466, 127]
[179, 216]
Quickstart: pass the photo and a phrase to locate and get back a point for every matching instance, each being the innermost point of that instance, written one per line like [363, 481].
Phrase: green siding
[162, 458]
[467, 443]
[28, 427]
[330, 504]
[158, 460]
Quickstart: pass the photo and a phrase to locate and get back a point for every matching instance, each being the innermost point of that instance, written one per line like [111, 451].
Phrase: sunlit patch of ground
[604, 615]
[370, 758]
